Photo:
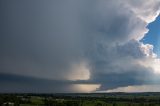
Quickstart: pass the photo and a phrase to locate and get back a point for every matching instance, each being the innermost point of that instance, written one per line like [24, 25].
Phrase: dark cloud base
[22, 84]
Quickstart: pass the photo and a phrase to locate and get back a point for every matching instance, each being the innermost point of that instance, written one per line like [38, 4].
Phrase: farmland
[81, 99]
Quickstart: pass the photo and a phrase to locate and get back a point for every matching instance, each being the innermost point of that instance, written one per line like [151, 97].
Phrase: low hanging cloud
[140, 88]
[78, 44]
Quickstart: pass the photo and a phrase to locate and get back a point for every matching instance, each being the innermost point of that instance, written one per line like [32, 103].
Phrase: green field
[93, 99]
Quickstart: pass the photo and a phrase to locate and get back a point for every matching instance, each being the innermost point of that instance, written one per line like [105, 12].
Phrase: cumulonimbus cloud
[63, 40]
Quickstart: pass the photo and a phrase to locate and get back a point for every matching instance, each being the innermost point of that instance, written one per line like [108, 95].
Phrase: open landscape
[79, 52]
[81, 99]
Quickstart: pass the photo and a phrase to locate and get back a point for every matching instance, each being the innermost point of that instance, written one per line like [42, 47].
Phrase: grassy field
[95, 99]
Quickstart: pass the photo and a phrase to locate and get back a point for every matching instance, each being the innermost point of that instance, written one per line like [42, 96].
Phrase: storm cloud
[63, 44]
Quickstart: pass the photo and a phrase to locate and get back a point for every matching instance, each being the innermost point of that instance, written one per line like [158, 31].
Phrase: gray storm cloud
[90, 42]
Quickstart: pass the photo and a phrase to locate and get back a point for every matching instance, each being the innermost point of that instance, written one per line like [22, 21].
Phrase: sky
[78, 46]
[153, 36]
